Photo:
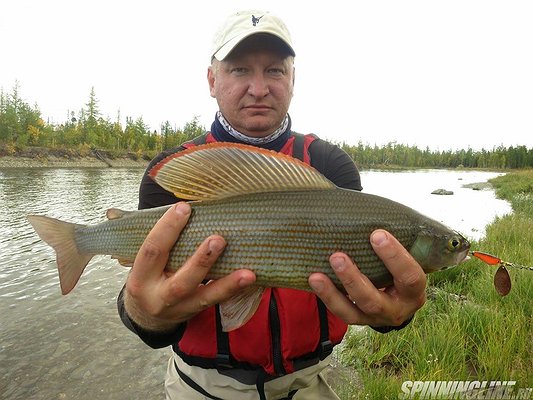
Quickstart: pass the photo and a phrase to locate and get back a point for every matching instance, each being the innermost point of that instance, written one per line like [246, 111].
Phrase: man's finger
[359, 288]
[217, 291]
[186, 280]
[153, 254]
[409, 278]
[334, 300]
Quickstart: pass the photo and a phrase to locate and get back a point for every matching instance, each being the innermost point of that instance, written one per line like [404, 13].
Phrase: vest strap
[223, 358]
[188, 380]
[259, 384]
[298, 146]
[200, 139]
[325, 347]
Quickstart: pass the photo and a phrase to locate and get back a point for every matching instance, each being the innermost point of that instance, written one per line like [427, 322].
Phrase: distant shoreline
[40, 157]
[8, 162]
[49, 159]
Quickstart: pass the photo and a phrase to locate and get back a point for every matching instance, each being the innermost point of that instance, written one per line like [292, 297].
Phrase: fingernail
[243, 282]
[317, 286]
[378, 237]
[215, 245]
[182, 209]
[337, 263]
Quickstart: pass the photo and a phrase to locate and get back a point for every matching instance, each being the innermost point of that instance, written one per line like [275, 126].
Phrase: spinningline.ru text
[481, 390]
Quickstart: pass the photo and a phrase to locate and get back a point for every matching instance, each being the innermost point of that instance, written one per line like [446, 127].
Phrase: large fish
[280, 217]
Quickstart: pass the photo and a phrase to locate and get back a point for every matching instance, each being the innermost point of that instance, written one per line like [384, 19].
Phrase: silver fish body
[285, 236]
[280, 217]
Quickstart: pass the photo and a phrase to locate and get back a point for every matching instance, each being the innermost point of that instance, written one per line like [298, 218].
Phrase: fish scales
[282, 236]
[304, 220]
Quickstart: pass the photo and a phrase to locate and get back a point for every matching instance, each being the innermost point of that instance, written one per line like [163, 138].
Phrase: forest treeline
[22, 125]
[395, 154]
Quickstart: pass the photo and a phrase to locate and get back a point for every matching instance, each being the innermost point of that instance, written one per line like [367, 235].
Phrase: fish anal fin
[238, 310]
[219, 170]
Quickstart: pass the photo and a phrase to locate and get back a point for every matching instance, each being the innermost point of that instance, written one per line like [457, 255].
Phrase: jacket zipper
[275, 333]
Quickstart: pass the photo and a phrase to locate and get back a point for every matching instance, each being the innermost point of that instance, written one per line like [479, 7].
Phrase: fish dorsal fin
[218, 170]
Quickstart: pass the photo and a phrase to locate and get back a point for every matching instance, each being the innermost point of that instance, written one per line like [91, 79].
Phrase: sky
[452, 74]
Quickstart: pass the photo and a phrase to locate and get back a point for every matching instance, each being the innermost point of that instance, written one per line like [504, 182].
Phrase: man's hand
[366, 305]
[159, 300]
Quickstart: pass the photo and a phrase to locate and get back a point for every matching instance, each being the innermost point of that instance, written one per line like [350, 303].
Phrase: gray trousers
[308, 381]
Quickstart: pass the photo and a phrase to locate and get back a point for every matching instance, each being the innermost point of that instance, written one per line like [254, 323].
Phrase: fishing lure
[502, 280]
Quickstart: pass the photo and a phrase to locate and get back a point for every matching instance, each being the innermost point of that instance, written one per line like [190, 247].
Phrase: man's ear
[211, 80]
[293, 76]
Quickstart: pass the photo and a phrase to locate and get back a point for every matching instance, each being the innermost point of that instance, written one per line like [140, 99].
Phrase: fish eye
[454, 243]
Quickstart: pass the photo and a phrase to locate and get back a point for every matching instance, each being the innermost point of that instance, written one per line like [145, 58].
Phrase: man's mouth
[258, 107]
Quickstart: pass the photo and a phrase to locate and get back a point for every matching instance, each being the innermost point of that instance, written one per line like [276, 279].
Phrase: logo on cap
[255, 20]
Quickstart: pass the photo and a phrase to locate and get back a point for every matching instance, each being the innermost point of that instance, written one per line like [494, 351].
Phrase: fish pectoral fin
[220, 170]
[236, 311]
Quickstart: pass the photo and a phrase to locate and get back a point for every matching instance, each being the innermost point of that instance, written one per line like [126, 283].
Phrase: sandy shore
[61, 162]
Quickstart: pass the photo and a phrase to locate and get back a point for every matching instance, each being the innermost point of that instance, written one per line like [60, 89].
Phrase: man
[280, 352]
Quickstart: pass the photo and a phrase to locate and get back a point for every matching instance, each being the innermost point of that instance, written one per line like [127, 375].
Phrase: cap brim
[228, 47]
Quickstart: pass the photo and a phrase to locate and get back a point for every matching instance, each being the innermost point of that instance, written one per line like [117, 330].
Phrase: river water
[75, 347]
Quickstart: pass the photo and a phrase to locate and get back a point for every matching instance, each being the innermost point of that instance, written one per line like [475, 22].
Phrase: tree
[90, 118]
[20, 124]
[193, 129]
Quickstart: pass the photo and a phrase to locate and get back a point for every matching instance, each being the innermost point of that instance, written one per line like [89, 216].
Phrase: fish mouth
[464, 253]
[459, 259]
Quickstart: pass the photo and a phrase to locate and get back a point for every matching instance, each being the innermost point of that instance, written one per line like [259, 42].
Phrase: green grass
[465, 331]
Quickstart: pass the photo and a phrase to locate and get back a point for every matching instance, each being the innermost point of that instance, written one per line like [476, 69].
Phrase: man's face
[253, 87]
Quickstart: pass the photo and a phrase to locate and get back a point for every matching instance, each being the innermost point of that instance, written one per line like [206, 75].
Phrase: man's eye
[238, 70]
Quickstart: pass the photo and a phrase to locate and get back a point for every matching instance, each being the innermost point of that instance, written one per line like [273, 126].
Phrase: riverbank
[56, 162]
[60, 158]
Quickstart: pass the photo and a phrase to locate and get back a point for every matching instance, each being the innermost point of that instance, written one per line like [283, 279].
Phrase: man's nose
[258, 86]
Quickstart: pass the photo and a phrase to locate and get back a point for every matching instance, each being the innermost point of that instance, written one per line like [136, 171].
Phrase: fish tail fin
[60, 235]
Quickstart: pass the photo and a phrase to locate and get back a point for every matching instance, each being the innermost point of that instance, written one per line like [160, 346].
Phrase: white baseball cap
[243, 24]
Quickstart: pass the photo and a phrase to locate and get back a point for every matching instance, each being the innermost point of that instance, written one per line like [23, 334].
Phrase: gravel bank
[60, 162]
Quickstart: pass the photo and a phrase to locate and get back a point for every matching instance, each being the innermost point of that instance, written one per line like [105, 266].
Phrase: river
[75, 347]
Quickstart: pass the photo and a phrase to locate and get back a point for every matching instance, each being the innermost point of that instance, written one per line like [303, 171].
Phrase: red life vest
[290, 330]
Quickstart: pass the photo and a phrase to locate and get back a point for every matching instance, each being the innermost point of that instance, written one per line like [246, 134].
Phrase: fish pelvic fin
[124, 261]
[238, 310]
[219, 170]
[60, 236]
